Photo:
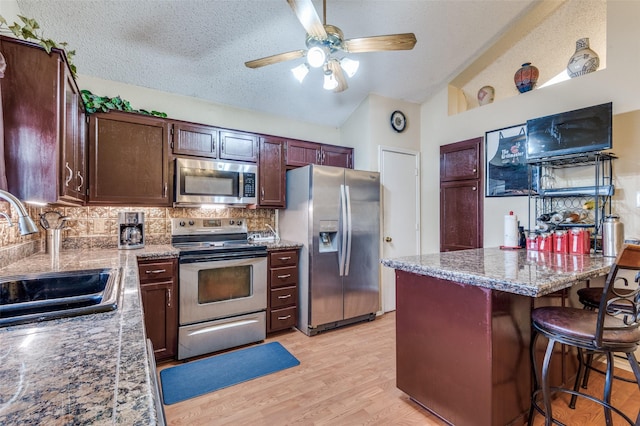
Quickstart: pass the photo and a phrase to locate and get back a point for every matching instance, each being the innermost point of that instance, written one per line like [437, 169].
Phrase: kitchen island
[463, 327]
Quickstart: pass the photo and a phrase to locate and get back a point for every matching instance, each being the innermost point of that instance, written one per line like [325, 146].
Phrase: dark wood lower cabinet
[282, 302]
[158, 289]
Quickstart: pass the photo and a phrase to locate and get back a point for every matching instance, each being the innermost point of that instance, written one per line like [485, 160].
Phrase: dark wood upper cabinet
[44, 127]
[338, 156]
[301, 153]
[195, 139]
[128, 160]
[461, 160]
[238, 146]
[272, 173]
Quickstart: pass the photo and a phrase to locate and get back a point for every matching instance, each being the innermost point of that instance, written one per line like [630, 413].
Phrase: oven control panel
[194, 226]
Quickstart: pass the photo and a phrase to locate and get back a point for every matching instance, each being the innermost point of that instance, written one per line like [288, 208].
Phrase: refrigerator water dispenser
[328, 236]
[328, 242]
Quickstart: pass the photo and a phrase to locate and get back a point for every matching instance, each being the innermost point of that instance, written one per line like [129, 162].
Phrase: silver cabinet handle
[169, 294]
[67, 180]
[474, 170]
[285, 258]
[79, 176]
[473, 188]
[155, 271]
[388, 239]
[285, 296]
[284, 318]
[284, 276]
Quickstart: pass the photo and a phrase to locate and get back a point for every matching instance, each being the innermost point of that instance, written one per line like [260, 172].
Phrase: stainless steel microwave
[201, 182]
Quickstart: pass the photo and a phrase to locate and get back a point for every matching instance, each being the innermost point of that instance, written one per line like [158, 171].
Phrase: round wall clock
[398, 121]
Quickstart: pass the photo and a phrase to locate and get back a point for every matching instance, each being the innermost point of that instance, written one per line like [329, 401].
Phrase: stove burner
[197, 236]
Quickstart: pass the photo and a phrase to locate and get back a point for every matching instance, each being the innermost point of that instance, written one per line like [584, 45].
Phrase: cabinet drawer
[283, 258]
[284, 276]
[283, 318]
[155, 271]
[284, 296]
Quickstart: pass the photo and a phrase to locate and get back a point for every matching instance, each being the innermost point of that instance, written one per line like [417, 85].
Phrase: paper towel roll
[511, 230]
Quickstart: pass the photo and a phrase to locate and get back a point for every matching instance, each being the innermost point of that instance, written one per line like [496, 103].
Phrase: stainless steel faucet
[25, 223]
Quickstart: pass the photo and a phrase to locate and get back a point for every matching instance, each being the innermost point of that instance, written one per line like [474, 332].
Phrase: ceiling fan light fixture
[330, 81]
[316, 56]
[349, 66]
[300, 72]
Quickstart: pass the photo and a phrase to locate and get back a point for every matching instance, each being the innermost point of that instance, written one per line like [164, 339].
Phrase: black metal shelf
[545, 199]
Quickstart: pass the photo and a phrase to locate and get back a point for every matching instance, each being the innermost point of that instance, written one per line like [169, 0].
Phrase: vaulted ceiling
[198, 47]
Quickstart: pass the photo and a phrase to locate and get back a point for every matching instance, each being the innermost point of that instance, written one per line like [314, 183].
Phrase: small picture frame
[505, 162]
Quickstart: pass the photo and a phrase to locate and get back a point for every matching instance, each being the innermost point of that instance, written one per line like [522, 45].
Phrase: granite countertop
[281, 245]
[530, 273]
[90, 369]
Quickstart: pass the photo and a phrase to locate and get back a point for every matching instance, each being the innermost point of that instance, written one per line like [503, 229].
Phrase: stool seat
[590, 297]
[579, 326]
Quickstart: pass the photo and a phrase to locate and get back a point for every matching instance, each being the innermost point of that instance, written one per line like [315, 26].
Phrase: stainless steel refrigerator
[335, 214]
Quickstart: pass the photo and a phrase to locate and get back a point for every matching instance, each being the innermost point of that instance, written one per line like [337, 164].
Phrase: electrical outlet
[99, 226]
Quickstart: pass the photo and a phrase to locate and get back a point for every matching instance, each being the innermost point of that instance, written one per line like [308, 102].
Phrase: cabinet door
[461, 160]
[460, 215]
[193, 139]
[160, 317]
[301, 153]
[238, 146]
[128, 160]
[271, 171]
[338, 156]
[35, 108]
[73, 162]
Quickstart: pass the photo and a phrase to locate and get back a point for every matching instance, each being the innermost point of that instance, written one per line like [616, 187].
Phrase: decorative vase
[584, 60]
[526, 77]
[486, 95]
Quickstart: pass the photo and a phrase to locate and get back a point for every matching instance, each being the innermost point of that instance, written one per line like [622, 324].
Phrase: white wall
[369, 127]
[616, 83]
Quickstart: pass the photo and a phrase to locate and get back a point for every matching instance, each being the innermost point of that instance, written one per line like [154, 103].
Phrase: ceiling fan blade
[274, 59]
[404, 41]
[335, 67]
[308, 17]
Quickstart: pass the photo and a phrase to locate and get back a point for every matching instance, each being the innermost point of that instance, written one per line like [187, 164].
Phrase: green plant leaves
[29, 31]
[94, 103]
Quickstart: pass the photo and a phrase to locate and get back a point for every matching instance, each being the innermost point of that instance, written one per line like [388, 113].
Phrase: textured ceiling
[198, 47]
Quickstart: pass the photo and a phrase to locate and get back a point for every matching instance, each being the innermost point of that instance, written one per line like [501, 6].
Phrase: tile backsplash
[97, 227]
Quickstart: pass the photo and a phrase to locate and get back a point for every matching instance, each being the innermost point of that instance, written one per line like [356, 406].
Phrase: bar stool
[605, 331]
[590, 299]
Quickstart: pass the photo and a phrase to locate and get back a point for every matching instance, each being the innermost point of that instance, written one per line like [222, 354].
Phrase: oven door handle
[197, 258]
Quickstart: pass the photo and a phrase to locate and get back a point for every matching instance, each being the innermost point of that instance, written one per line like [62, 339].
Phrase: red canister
[532, 241]
[579, 241]
[545, 242]
[560, 242]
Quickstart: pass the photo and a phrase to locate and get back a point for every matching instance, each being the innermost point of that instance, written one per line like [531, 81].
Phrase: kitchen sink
[45, 296]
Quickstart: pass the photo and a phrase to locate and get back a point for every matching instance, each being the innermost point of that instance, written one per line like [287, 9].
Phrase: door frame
[416, 154]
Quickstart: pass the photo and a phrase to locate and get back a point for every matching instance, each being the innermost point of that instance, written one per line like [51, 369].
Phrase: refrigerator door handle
[343, 230]
[348, 255]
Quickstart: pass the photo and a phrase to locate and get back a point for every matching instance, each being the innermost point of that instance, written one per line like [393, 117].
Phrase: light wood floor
[346, 377]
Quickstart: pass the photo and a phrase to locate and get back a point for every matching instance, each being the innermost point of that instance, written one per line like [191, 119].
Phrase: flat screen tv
[570, 133]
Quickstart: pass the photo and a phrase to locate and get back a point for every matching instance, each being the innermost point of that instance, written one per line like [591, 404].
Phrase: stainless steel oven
[222, 286]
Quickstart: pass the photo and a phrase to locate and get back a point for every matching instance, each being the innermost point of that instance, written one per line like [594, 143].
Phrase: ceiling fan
[324, 40]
